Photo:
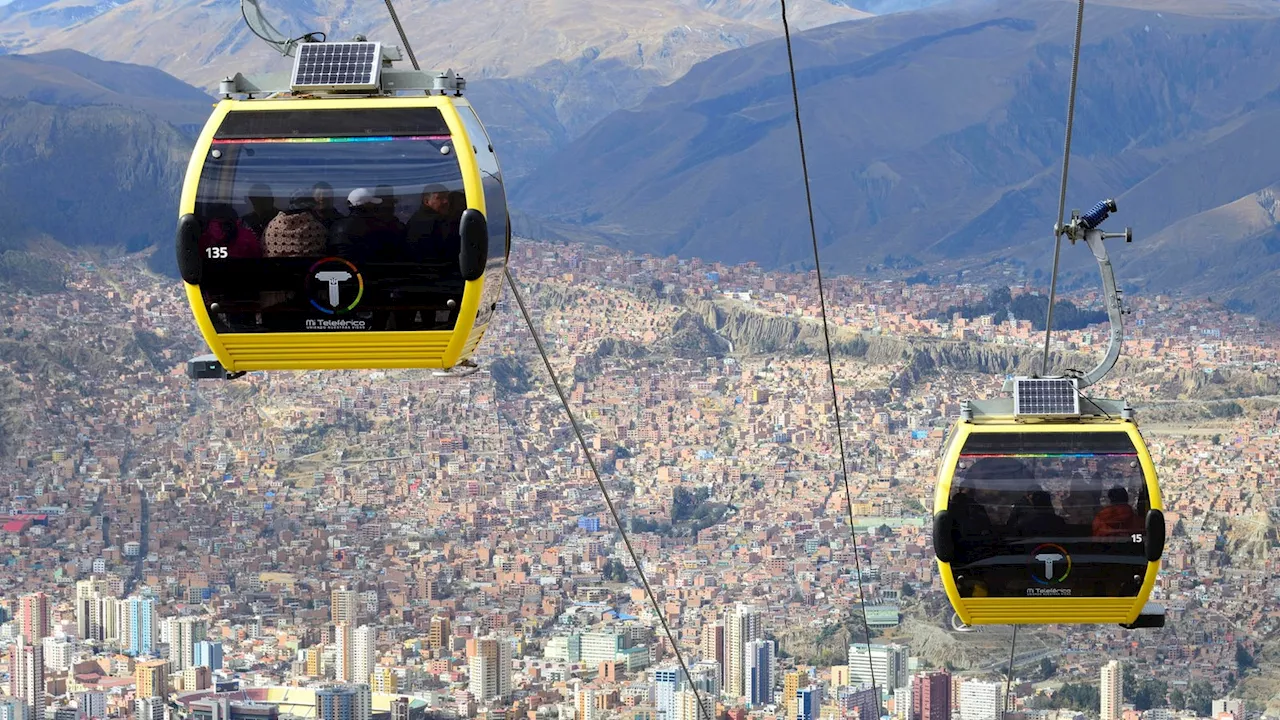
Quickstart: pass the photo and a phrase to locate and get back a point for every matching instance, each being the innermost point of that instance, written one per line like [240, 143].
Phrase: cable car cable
[617, 519]
[403, 38]
[1008, 676]
[826, 336]
[1062, 193]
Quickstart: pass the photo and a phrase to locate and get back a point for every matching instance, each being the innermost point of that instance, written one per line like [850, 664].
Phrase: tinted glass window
[1049, 515]
[336, 233]
[366, 122]
[495, 196]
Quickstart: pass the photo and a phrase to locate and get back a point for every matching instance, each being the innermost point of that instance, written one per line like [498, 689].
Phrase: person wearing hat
[364, 235]
[296, 232]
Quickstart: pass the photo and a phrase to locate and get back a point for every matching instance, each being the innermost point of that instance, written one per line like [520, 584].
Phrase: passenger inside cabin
[387, 208]
[263, 208]
[971, 528]
[326, 211]
[1041, 520]
[296, 232]
[1082, 501]
[453, 219]
[1117, 519]
[426, 229]
[223, 228]
[365, 235]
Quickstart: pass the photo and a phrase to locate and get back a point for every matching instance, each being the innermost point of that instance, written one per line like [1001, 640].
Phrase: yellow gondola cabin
[340, 225]
[1048, 521]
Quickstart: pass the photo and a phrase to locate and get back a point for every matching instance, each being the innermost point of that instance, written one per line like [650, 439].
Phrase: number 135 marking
[216, 252]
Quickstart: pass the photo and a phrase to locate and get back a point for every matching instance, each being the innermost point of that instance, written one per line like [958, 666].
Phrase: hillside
[938, 135]
[541, 71]
[92, 152]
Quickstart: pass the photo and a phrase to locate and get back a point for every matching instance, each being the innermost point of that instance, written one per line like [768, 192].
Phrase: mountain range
[540, 71]
[92, 152]
[934, 137]
[938, 136]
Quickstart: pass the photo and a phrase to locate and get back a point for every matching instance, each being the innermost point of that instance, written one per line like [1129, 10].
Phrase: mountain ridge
[566, 63]
[936, 135]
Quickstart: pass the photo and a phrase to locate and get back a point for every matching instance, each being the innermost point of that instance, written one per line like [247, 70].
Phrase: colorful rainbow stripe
[1047, 455]
[379, 138]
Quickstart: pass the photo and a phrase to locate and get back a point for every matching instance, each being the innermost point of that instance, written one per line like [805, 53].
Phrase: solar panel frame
[337, 66]
[1046, 397]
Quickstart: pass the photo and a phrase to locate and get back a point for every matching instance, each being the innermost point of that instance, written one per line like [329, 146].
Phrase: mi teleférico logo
[334, 286]
[1049, 564]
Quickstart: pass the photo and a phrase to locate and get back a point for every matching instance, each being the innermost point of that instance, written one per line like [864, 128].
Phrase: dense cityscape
[345, 545]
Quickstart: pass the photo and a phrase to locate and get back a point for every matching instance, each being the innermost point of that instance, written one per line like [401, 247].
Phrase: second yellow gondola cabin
[1047, 508]
[355, 218]
[1045, 520]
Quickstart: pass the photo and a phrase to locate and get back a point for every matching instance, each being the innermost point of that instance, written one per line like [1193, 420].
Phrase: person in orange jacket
[1118, 518]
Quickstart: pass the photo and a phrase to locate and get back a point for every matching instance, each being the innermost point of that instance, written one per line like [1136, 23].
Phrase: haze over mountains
[934, 134]
[543, 70]
[92, 152]
[939, 135]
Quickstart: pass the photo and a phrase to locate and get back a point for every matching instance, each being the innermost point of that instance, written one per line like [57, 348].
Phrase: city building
[344, 606]
[931, 696]
[759, 672]
[489, 667]
[344, 702]
[184, 633]
[26, 676]
[208, 654]
[742, 626]
[1112, 693]
[981, 700]
[808, 703]
[35, 623]
[884, 666]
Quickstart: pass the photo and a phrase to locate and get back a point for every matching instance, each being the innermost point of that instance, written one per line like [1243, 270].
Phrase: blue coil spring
[1097, 214]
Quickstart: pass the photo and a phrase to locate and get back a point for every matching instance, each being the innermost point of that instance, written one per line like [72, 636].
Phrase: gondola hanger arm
[1086, 228]
[260, 26]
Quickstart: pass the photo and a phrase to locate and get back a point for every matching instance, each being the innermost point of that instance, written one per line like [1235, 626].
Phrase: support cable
[826, 336]
[617, 519]
[405, 39]
[1008, 676]
[1062, 193]
[577, 430]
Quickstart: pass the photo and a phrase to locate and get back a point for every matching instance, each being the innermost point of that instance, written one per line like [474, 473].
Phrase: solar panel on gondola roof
[1046, 396]
[353, 65]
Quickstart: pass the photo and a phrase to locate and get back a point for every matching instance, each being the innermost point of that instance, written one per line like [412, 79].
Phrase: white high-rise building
[184, 633]
[598, 647]
[89, 596]
[364, 653]
[58, 652]
[884, 665]
[90, 705]
[1112, 695]
[1238, 708]
[151, 708]
[742, 625]
[981, 700]
[26, 676]
[666, 683]
[109, 617]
